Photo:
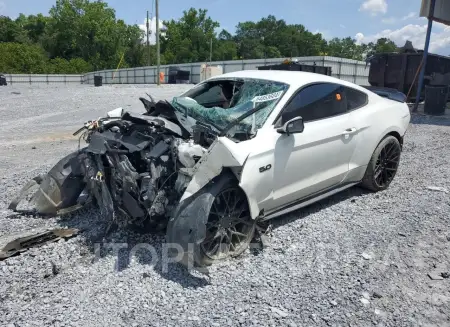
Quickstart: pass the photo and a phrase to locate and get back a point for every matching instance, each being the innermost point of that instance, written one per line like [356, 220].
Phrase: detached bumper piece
[22, 244]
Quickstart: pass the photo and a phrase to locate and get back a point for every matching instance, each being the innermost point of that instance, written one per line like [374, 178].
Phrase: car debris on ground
[24, 243]
[437, 189]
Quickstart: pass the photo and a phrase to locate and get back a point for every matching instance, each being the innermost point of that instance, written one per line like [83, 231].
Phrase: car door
[318, 158]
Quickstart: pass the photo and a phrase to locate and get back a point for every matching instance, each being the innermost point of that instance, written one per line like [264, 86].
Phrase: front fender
[187, 225]
[219, 155]
[223, 153]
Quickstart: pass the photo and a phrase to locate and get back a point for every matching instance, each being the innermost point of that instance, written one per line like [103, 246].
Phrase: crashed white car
[233, 151]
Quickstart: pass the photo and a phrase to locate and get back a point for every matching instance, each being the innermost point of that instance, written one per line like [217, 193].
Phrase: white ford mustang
[313, 136]
[232, 151]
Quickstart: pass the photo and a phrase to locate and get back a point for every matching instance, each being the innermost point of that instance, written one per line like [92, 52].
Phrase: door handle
[348, 131]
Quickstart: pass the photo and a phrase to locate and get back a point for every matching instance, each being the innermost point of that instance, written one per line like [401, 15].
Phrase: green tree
[34, 26]
[224, 47]
[382, 45]
[88, 30]
[271, 38]
[16, 58]
[11, 31]
[72, 66]
[345, 48]
[135, 52]
[188, 40]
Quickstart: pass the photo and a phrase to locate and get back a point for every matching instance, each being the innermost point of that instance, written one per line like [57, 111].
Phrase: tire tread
[368, 180]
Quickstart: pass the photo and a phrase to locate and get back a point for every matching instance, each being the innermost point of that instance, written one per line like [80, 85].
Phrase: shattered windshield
[222, 102]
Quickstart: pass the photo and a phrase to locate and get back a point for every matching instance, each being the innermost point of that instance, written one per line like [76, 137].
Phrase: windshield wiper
[227, 128]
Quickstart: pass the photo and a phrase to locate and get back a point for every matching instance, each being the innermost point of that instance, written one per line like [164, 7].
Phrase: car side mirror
[293, 126]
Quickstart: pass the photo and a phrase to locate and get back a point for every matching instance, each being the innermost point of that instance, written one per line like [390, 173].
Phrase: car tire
[383, 165]
[229, 226]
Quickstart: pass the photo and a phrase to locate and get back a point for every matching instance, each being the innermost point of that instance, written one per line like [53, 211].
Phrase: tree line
[79, 36]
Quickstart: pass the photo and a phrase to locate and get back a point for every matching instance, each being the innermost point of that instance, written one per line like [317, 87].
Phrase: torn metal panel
[59, 189]
[22, 244]
[188, 152]
[211, 165]
[187, 226]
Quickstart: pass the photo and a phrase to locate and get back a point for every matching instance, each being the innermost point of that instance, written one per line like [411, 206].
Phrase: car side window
[355, 99]
[317, 101]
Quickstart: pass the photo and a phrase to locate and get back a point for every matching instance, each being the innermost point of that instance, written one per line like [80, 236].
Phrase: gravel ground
[356, 259]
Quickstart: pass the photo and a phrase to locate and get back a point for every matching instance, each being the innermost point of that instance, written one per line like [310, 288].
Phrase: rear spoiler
[387, 92]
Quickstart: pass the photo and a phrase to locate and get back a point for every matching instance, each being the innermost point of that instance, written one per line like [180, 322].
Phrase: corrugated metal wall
[350, 70]
[12, 79]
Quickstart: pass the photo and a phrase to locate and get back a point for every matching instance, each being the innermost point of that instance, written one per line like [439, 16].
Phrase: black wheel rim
[386, 165]
[229, 225]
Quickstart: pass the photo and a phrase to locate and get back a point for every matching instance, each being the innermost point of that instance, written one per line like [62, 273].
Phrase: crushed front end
[135, 169]
[163, 169]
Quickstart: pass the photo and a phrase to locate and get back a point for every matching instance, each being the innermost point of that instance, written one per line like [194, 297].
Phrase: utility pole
[158, 61]
[210, 52]
[264, 48]
[425, 55]
[148, 43]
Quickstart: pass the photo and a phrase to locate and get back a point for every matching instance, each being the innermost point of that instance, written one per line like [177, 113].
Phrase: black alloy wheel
[383, 165]
[387, 164]
[230, 227]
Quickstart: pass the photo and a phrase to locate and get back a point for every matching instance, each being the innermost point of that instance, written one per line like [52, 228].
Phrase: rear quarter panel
[374, 121]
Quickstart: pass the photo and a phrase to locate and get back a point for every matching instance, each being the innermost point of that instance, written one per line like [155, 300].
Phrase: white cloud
[342, 26]
[359, 37]
[393, 20]
[440, 38]
[152, 28]
[374, 6]
[410, 15]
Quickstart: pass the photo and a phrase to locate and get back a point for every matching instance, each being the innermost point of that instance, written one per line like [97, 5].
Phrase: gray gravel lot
[356, 259]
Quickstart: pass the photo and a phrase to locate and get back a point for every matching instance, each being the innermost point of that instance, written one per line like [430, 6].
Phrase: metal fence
[350, 70]
[12, 79]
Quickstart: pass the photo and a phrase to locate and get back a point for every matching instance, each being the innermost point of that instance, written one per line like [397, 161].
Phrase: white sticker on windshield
[267, 97]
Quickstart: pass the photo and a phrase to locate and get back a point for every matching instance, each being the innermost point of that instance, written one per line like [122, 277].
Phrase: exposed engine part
[189, 153]
[183, 179]
[202, 135]
[134, 168]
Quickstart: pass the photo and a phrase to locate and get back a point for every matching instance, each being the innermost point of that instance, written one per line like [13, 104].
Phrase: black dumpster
[172, 78]
[98, 80]
[400, 71]
[3, 80]
[178, 76]
[435, 99]
[183, 77]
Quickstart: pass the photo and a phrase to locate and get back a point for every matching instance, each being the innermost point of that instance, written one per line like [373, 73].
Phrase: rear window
[355, 99]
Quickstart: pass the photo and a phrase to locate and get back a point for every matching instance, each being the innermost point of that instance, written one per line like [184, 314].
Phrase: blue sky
[365, 20]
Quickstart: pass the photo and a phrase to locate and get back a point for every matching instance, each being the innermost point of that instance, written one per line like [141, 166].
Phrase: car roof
[294, 78]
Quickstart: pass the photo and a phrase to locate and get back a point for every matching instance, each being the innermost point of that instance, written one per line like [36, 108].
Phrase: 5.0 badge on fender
[265, 168]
